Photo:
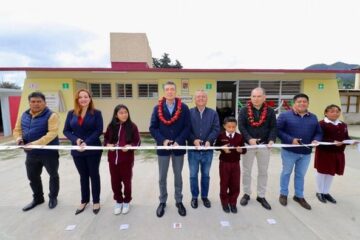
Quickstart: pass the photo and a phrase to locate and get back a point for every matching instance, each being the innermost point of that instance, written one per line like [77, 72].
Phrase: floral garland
[250, 113]
[161, 113]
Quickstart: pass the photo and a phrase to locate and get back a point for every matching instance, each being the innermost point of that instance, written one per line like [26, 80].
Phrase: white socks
[323, 182]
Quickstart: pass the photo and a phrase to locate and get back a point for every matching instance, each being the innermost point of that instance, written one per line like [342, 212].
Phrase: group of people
[174, 124]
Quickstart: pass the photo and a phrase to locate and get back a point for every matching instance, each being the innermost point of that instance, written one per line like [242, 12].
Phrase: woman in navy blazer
[84, 126]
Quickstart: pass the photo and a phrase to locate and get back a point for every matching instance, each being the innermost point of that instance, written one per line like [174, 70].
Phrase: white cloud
[249, 34]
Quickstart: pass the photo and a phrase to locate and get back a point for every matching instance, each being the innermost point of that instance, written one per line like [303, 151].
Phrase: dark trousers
[229, 182]
[88, 168]
[121, 174]
[34, 165]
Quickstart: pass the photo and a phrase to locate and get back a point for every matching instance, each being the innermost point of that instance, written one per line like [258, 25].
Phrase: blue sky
[200, 34]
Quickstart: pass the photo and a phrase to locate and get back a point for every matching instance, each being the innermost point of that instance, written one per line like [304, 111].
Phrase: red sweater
[119, 155]
[236, 141]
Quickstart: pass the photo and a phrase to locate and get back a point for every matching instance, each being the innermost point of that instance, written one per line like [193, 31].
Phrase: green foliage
[165, 62]
[5, 84]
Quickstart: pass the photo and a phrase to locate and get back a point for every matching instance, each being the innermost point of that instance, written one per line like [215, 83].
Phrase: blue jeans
[202, 159]
[301, 163]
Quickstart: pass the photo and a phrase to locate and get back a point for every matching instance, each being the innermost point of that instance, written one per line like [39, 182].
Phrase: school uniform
[121, 163]
[331, 159]
[229, 168]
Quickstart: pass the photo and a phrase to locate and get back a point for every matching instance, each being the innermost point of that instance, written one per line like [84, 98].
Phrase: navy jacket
[35, 128]
[291, 125]
[205, 128]
[90, 131]
[178, 131]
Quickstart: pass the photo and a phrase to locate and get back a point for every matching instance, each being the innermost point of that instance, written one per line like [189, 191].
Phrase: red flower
[250, 113]
[161, 113]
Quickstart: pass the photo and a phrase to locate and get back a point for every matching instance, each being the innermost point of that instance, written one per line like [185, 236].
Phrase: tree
[165, 62]
[5, 84]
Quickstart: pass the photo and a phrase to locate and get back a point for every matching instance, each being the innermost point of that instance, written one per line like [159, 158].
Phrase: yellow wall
[141, 108]
[48, 85]
[194, 85]
[320, 98]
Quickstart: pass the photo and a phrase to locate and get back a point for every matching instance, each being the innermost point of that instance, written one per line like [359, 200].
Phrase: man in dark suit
[170, 126]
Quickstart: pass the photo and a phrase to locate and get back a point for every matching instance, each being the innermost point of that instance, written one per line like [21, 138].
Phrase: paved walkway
[324, 221]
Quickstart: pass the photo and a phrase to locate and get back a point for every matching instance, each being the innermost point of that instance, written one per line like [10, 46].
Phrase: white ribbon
[172, 147]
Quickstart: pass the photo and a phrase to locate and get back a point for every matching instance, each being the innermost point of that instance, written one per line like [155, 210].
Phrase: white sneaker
[126, 208]
[117, 208]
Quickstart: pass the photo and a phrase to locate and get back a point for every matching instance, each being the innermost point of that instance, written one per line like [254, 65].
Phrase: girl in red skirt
[330, 160]
[121, 131]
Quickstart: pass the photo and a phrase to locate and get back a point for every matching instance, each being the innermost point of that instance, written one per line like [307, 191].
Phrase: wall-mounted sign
[33, 86]
[321, 86]
[208, 86]
[65, 86]
[185, 86]
[186, 98]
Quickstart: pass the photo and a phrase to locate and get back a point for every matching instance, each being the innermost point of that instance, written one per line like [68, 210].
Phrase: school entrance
[232, 95]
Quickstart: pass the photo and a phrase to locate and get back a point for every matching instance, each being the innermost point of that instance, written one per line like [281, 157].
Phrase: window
[148, 90]
[124, 90]
[102, 90]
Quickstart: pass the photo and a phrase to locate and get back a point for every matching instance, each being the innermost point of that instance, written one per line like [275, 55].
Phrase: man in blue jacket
[170, 126]
[39, 126]
[205, 128]
[297, 126]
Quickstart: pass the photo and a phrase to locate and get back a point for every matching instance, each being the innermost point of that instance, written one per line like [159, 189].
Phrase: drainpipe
[357, 81]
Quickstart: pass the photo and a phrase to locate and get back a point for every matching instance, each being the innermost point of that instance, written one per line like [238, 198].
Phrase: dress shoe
[302, 202]
[283, 200]
[233, 208]
[181, 209]
[226, 208]
[194, 203]
[244, 200]
[33, 204]
[160, 210]
[321, 197]
[329, 198]
[96, 210]
[78, 211]
[264, 203]
[52, 203]
[206, 202]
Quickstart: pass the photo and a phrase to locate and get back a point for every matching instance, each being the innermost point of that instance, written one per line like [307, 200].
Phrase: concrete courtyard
[324, 221]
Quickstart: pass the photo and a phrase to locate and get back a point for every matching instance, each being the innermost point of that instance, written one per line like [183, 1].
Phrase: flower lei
[250, 113]
[161, 113]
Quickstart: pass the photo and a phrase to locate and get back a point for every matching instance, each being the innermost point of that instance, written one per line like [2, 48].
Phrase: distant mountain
[346, 80]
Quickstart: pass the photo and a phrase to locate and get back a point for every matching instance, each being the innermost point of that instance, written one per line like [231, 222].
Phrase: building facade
[132, 81]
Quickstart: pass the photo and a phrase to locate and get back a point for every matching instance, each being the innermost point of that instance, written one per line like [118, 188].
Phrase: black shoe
[321, 197]
[181, 209]
[233, 208]
[206, 202]
[302, 202]
[264, 203]
[283, 200]
[33, 204]
[329, 198]
[194, 203]
[244, 200]
[96, 210]
[80, 210]
[160, 210]
[52, 203]
[226, 208]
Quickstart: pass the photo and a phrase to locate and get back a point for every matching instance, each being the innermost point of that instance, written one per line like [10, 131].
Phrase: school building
[132, 81]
